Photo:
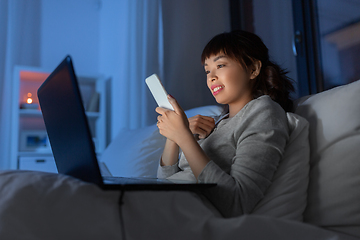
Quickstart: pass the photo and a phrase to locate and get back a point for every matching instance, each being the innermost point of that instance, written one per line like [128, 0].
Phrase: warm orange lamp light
[29, 103]
[29, 99]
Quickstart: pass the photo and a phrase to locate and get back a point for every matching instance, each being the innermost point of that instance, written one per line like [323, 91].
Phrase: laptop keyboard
[134, 180]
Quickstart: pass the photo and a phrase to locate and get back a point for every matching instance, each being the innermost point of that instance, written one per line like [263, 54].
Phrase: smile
[216, 89]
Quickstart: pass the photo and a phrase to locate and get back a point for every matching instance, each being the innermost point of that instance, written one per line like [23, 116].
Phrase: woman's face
[228, 80]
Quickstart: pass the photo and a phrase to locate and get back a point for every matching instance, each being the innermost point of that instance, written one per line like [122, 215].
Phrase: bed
[315, 192]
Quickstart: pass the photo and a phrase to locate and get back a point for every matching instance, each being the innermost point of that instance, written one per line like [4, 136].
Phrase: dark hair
[246, 47]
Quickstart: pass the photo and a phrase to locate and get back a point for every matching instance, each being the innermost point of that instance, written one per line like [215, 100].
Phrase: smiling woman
[240, 149]
[229, 81]
[250, 52]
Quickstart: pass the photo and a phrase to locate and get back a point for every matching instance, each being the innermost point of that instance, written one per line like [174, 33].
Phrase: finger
[204, 127]
[175, 105]
[207, 118]
[206, 124]
[161, 110]
[202, 136]
[201, 133]
[203, 123]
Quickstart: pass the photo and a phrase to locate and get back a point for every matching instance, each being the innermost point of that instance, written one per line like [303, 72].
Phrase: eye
[220, 65]
[207, 72]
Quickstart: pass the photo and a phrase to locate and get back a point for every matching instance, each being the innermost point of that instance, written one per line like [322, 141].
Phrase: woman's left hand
[173, 125]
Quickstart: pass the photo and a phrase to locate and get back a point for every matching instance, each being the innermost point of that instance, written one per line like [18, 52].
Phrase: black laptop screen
[67, 126]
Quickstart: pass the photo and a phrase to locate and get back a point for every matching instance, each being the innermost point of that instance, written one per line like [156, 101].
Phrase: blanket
[36, 205]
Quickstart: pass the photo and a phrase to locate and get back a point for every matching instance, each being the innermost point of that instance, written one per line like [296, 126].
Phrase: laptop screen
[67, 126]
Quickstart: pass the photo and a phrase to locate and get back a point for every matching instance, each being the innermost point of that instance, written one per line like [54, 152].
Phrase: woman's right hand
[201, 125]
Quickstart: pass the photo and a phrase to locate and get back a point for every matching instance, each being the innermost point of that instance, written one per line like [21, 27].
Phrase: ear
[255, 69]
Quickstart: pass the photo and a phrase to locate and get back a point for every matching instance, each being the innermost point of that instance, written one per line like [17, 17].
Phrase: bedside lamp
[29, 103]
[29, 99]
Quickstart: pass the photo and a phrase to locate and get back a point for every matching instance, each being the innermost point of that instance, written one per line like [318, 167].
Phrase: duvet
[36, 205]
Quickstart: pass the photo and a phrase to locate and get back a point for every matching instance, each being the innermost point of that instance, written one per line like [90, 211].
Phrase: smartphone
[158, 91]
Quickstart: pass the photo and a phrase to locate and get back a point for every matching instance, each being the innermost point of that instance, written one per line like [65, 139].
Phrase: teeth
[217, 88]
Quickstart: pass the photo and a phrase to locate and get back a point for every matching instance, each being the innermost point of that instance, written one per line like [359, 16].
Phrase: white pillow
[211, 111]
[334, 133]
[136, 153]
[286, 196]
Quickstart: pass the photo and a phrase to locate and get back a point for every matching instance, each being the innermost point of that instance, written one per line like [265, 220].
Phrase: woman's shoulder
[266, 101]
[261, 115]
[263, 105]
[263, 110]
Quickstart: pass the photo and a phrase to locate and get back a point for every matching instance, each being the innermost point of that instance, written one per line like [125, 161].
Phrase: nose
[212, 77]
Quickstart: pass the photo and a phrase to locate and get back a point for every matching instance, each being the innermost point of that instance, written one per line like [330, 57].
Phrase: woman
[239, 150]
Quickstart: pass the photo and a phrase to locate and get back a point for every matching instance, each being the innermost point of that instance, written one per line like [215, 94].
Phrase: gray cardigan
[244, 151]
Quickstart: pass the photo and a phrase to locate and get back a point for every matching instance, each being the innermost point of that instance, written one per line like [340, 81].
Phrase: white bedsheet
[37, 205]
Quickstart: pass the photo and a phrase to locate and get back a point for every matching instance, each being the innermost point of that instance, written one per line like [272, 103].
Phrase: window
[326, 43]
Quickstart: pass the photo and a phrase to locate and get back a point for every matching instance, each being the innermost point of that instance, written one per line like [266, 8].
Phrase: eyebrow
[217, 58]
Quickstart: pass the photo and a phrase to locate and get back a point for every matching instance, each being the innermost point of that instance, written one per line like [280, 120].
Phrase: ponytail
[272, 81]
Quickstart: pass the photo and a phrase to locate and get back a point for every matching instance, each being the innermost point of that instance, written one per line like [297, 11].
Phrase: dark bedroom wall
[188, 26]
[273, 22]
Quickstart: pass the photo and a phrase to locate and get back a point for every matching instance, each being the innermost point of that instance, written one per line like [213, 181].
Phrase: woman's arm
[194, 154]
[168, 160]
[174, 125]
[199, 125]
[252, 144]
[170, 154]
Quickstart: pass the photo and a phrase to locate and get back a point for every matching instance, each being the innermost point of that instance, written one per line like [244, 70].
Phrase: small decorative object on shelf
[29, 104]
[93, 105]
[34, 141]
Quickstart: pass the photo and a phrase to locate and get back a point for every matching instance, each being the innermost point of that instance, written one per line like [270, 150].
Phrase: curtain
[143, 53]
[19, 45]
[136, 51]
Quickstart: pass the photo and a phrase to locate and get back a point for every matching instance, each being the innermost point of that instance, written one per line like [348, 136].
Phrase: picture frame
[34, 141]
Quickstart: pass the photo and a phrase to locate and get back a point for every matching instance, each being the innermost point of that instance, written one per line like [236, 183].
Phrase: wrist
[185, 139]
[170, 142]
[170, 154]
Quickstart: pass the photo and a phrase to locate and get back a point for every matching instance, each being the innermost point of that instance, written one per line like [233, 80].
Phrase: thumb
[175, 104]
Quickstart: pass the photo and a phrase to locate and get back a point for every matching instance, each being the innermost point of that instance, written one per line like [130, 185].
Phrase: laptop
[71, 141]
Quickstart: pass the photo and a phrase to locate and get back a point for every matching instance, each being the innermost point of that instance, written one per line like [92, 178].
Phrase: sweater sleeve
[167, 171]
[260, 140]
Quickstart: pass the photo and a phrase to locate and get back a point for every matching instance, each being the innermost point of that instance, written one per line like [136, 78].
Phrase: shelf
[37, 113]
[30, 112]
[35, 153]
[27, 121]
